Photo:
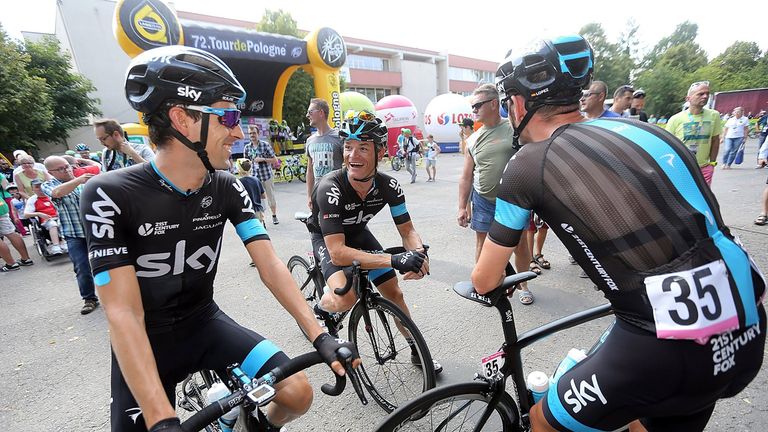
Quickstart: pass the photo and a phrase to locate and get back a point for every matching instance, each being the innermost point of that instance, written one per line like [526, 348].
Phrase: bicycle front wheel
[302, 173]
[396, 163]
[454, 408]
[393, 350]
[287, 173]
[302, 275]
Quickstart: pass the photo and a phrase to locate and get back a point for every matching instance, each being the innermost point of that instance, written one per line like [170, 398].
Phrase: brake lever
[351, 278]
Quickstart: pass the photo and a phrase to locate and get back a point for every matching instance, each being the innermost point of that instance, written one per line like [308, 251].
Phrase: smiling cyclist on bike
[342, 204]
[155, 233]
[629, 203]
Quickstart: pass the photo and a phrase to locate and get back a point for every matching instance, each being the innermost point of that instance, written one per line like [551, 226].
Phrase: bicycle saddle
[466, 290]
[301, 216]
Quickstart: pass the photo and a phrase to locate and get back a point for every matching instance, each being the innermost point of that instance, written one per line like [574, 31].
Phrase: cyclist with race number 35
[629, 202]
[155, 234]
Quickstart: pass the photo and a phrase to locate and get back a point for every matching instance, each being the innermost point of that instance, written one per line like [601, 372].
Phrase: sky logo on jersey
[357, 219]
[104, 210]
[586, 392]
[333, 195]
[394, 184]
[159, 264]
[247, 204]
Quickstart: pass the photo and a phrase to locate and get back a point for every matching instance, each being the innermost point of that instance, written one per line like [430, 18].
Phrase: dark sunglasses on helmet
[229, 117]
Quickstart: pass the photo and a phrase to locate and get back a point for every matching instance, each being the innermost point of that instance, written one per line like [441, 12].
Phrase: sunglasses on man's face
[476, 106]
[229, 117]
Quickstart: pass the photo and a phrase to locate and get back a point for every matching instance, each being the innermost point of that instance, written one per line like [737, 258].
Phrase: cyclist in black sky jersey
[342, 204]
[155, 235]
[629, 203]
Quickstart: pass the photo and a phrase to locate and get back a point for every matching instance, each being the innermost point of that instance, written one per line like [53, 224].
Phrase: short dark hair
[245, 165]
[322, 105]
[110, 126]
[623, 89]
[160, 125]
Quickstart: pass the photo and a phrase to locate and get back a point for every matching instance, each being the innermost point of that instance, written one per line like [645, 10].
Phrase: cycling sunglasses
[362, 115]
[229, 117]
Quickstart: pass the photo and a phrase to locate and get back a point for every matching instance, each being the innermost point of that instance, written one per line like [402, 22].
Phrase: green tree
[68, 90]
[25, 105]
[684, 32]
[612, 65]
[300, 88]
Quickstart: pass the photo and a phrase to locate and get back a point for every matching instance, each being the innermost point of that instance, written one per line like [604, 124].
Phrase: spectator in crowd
[636, 108]
[488, 151]
[431, 150]
[8, 230]
[325, 150]
[264, 159]
[10, 193]
[735, 132]
[6, 170]
[119, 152]
[65, 189]
[82, 166]
[40, 206]
[412, 151]
[662, 120]
[84, 152]
[17, 155]
[762, 158]
[622, 100]
[466, 128]
[254, 188]
[698, 128]
[592, 102]
[652, 119]
[28, 172]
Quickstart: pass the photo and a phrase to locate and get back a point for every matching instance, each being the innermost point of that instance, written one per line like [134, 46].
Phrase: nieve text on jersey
[160, 264]
[103, 209]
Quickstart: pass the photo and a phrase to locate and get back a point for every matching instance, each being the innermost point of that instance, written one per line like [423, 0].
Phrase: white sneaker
[64, 247]
[56, 250]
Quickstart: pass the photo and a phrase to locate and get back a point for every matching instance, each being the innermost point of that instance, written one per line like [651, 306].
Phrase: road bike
[293, 167]
[484, 404]
[389, 342]
[249, 394]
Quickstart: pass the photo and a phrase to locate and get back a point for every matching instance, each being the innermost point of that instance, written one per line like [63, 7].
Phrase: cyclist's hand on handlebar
[410, 261]
[172, 424]
[328, 347]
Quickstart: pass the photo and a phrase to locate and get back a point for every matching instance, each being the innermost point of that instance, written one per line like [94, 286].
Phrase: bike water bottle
[218, 391]
[538, 383]
[574, 356]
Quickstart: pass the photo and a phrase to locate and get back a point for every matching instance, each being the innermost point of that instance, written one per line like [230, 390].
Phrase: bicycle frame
[514, 343]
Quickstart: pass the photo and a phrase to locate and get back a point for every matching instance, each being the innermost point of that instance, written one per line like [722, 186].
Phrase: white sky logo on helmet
[189, 93]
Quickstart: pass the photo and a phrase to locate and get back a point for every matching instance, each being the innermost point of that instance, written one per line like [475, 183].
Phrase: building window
[374, 94]
[355, 61]
[462, 74]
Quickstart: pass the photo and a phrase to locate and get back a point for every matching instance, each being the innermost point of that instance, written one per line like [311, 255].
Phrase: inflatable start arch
[263, 62]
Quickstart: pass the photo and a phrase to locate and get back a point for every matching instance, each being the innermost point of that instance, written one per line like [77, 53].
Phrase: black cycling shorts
[670, 385]
[214, 342]
[362, 240]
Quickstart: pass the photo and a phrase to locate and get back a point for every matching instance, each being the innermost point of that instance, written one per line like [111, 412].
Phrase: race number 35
[691, 303]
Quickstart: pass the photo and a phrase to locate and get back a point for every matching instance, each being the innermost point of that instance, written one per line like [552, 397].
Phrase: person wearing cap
[154, 233]
[119, 152]
[592, 102]
[629, 203]
[8, 230]
[466, 128]
[622, 100]
[638, 103]
[40, 206]
[84, 152]
[698, 128]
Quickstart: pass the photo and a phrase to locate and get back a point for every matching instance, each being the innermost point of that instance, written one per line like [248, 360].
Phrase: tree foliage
[41, 99]
[666, 71]
[300, 88]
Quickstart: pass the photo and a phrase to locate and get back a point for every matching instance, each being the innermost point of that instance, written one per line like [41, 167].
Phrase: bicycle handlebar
[218, 408]
[352, 272]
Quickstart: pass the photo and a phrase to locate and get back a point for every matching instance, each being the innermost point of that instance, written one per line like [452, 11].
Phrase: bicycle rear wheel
[454, 408]
[302, 275]
[388, 372]
[287, 173]
[302, 175]
[396, 163]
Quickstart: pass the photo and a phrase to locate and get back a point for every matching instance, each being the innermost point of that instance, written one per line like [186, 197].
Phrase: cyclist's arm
[310, 180]
[121, 299]
[486, 276]
[342, 255]
[412, 241]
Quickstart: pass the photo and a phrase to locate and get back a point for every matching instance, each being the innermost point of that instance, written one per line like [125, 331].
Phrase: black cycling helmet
[363, 126]
[549, 72]
[182, 75]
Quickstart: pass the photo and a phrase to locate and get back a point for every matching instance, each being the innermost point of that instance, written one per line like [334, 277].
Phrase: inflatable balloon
[396, 112]
[350, 100]
[442, 117]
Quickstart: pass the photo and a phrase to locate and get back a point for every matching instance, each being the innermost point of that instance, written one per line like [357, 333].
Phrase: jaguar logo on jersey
[160, 264]
[581, 396]
[206, 201]
[247, 204]
[103, 210]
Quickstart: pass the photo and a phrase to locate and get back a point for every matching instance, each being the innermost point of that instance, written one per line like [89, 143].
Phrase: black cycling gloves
[172, 424]
[409, 261]
[328, 346]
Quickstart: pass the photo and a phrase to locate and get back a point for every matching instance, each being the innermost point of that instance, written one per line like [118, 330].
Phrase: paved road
[54, 362]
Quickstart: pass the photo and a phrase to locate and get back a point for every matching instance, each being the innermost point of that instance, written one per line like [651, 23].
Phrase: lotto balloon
[355, 101]
[442, 118]
[397, 112]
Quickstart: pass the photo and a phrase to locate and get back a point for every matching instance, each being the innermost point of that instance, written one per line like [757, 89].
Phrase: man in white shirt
[736, 130]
